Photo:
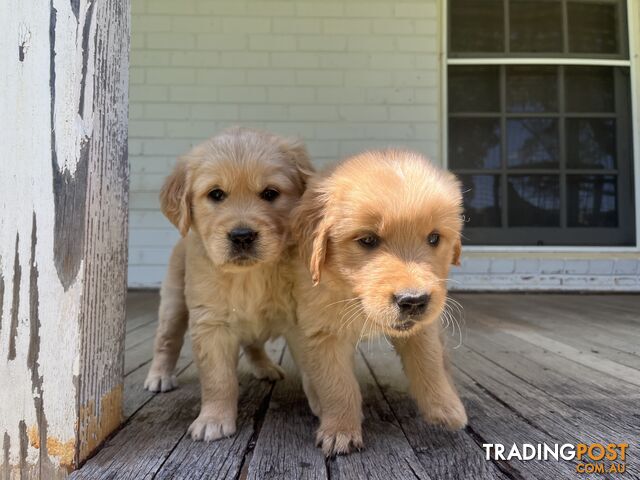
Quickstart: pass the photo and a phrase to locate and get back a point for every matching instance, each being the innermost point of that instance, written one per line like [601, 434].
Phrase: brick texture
[550, 272]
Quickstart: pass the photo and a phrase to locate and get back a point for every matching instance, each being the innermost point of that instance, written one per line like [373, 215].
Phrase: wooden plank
[135, 395]
[154, 443]
[490, 421]
[535, 404]
[599, 307]
[590, 315]
[563, 325]
[516, 391]
[138, 355]
[142, 320]
[285, 446]
[579, 310]
[442, 453]
[589, 339]
[143, 444]
[584, 313]
[387, 453]
[142, 308]
[608, 367]
[63, 239]
[224, 458]
[557, 330]
[141, 354]
[567, 381]
[138, 301]
[140, 335]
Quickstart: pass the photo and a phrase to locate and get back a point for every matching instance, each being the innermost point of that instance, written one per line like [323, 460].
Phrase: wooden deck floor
[530, 369]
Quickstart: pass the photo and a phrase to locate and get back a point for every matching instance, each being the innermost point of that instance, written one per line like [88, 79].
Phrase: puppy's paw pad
[270, 371]
[209, 429]
[339, 443]
[451, 415]
[160, 382]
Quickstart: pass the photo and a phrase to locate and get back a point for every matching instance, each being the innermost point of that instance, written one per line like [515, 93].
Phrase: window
[540, 121]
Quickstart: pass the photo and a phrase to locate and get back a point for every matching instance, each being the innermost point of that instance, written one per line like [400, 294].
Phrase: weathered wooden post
[63, 230]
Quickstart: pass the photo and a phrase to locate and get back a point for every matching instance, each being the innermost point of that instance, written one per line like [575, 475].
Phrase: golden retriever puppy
[378, 234]
[230, 277]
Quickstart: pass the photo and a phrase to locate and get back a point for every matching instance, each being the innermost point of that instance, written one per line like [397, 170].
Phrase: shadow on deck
[553, 368]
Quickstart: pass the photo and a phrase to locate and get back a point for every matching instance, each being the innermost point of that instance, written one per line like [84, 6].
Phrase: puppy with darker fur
[378, 234]
[230, 277]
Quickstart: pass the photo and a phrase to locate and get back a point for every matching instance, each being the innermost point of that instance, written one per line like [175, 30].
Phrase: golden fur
[345, 289]
[229, 298]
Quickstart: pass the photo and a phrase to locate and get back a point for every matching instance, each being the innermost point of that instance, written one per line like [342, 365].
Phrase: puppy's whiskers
[453, 314]
[388, 320]
[339, 301]
[458, 307]
[353, 312]
[373, 332]
[352, 318]
[364, 325]
[347, 310]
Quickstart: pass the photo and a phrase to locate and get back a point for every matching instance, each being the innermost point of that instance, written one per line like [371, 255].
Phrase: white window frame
[633, 25]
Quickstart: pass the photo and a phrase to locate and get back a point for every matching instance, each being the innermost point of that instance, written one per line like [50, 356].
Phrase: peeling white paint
[26, 173]
[69, 125]
[25, 38]
[25, 150]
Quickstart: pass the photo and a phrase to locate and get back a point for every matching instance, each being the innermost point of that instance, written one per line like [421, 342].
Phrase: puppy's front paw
[450, 414]
[267, 371]
[339, 441]
[208, 428]
[160, 382]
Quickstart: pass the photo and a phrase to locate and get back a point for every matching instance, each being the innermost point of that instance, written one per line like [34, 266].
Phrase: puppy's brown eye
[217, 195]
[433, 239]
[269, 194]
[369, 241]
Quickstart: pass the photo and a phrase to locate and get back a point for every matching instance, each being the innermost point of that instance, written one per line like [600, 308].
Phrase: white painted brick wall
[345, 75]
[551, 271]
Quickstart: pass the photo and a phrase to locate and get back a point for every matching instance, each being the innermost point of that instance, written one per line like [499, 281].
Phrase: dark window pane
[591, 143]
[532, 89]
[592, 27]
[535, 26]
[474, 142]
[592, 201]
[474, 89]
[481, 200]
[589, 89]
[532, 143]
[534, 200]
[477, 26]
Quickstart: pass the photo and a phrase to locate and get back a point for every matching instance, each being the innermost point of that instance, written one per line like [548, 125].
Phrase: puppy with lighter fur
[230, 277]
[378, 234]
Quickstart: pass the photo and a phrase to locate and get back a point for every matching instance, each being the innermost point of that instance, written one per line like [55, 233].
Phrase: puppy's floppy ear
[457, 246]
[457, 252]
[295, 151]
[311, 228]
[175, 200]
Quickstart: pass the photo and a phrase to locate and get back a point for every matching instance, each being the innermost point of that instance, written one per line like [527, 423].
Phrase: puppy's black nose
[242, 238]
[411, 304]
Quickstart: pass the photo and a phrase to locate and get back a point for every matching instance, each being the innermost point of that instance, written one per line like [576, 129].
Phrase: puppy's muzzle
[242, 239]
[411, 306]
